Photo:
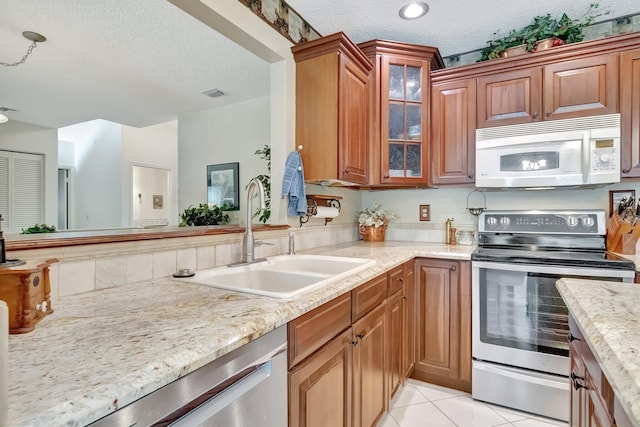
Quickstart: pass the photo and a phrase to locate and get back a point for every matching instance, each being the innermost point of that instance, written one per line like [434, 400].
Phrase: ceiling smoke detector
[214, 93]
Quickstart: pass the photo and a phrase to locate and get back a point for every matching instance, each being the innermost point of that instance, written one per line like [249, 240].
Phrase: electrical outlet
[425, 213]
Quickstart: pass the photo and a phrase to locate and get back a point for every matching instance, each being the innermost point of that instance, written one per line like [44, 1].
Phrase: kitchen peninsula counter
[608, 314]
[104, 349]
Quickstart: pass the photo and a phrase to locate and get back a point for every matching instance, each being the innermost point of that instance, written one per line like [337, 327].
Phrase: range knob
[505, 220]
[572, 221]
[588, 221]
[492, 220]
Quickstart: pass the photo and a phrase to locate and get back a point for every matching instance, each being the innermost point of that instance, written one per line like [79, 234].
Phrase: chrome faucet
[249, 244]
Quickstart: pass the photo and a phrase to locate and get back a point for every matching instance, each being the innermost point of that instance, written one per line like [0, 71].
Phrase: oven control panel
[549, 222]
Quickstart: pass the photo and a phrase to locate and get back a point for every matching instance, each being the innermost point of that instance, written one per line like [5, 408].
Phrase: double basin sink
[282, 276]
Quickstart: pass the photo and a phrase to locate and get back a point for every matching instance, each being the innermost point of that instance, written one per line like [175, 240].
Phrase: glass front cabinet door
[401, 135]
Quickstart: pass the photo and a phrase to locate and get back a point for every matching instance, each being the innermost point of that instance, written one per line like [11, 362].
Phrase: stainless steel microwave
[555, 153]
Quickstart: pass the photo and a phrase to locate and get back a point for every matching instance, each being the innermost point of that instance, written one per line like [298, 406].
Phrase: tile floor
[420, 404]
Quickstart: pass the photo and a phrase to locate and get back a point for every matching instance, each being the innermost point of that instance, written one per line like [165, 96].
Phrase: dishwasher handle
[249, 379]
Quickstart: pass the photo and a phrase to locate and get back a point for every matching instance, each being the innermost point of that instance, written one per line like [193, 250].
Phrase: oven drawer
[548, 395]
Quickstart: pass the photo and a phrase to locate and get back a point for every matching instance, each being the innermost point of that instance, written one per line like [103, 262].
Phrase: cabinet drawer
[312, 330]
[396, 279]
[367, 296]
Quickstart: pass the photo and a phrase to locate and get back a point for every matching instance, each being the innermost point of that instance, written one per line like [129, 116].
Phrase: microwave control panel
[605, 155]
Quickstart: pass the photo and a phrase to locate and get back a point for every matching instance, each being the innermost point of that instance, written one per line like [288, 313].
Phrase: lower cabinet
[593, 402]
[443, 323]
[341, 379]
[320, 387]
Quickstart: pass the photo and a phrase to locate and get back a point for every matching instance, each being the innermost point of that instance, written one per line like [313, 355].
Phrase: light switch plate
[425, 213]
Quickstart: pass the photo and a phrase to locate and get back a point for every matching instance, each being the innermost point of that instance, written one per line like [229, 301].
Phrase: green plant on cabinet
[204, 215]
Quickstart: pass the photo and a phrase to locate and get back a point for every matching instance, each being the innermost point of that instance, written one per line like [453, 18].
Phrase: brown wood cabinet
[332, 109]
[593, 402]
[369, 398]
[444, 323]
[400, 93]
[337, 356]
[320, 388]
[453, 132]
[630, 113]
[400, 327]
[560, 90]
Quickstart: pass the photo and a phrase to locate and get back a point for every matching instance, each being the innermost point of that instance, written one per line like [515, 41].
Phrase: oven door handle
[555, 270]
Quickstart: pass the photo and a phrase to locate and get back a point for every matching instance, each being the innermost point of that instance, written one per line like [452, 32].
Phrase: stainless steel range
[520, 323]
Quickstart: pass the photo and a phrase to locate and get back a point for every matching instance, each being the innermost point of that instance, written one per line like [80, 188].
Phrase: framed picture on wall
[223, 185]
[616, 196]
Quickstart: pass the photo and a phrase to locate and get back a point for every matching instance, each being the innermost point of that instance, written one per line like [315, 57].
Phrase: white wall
[451, 202]
[222, 135]
[28, 138]
[98, 175]
[153, 146]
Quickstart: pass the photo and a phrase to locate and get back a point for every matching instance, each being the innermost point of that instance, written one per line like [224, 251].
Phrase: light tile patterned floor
[420, 404]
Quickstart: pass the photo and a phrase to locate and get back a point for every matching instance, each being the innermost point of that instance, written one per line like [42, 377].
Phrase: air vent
[214, 93]
[5, 109]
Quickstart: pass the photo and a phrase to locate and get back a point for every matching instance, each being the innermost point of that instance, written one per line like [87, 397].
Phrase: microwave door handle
[586, 156]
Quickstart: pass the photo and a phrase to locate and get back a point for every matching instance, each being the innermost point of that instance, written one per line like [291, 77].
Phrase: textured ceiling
[145, 62]
[453, 26]
[136, 62]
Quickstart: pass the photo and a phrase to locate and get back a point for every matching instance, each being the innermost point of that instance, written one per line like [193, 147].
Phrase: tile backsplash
[91, 267]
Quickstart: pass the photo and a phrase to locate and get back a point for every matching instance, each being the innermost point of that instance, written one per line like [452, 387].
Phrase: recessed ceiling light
[414, 10]
[3, 118]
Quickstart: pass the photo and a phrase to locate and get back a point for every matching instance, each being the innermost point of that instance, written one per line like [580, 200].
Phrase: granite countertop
[104, 349]
[608, 314]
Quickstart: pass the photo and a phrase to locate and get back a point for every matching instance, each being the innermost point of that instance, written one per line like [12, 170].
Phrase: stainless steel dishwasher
[244, 388]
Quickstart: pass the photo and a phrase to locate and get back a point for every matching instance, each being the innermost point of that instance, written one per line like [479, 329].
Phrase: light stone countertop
[101, 350]
[608, 314]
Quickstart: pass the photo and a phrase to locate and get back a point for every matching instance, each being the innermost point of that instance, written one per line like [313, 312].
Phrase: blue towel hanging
[293, 185]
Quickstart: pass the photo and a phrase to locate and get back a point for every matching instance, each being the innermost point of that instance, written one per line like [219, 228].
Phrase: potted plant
[204, 215]
[372, 223]
[542, 33]
[264, 214]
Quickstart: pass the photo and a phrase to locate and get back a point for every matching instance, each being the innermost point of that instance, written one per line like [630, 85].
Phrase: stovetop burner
[574, 238]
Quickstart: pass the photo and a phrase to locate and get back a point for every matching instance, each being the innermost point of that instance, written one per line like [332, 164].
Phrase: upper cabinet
[332, 109]
[400, 113]
[630, 113]
[561, 90]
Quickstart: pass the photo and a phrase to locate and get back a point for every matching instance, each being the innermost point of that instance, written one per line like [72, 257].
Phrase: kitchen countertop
[608, 314]
[101, 350]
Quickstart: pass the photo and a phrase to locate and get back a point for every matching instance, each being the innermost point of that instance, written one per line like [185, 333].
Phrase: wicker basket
[372, 234]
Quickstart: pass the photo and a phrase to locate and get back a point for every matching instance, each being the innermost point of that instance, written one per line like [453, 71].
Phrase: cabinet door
[510, 98]
[369, 397]
[630, 113]
[353, 145]
[404, 116]
[443, 332]
[409, 320]
[320, 388]
[453, 127]
[395, 334]
[582, 87]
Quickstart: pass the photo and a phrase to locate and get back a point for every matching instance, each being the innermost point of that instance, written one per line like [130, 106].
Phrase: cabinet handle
[626, 170]
[572, 337]
[535, 115]
[577, 386]
[575, 377]
[386, 176]
[360, 336]
[354, 343]
[400, 280]
[548, 114]
[453, 268]
[346, 171]
[470, 176]
[404, 297]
